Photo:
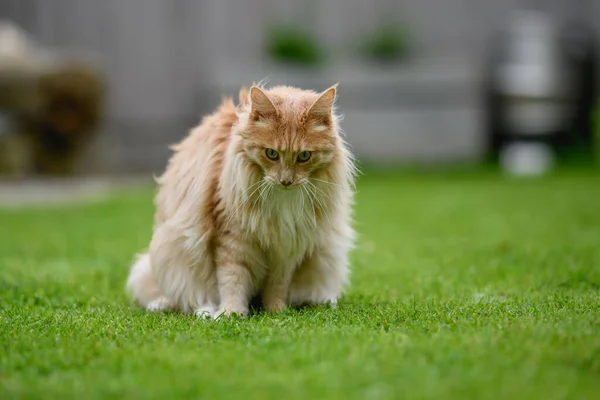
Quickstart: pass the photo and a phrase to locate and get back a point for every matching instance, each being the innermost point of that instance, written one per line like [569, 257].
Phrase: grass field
[465, 285]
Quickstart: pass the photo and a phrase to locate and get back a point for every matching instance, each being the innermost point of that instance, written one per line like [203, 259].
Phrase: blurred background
[91, 87]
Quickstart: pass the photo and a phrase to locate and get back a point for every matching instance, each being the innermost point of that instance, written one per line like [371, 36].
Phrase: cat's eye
[304, 156]
[272, 154]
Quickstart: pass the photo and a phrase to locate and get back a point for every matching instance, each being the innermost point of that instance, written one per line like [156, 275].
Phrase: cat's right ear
[261, 104]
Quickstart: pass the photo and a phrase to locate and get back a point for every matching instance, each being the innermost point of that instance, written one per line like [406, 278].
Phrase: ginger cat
[256, 201]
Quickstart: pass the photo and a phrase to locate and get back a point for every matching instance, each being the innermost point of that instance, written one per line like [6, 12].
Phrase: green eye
[272, 154]
[304, 156]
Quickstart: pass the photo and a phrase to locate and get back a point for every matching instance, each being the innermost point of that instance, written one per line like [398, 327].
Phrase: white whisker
[321, 191]
[312, 202]
[327, 182]
[319, 202]
[302, 210]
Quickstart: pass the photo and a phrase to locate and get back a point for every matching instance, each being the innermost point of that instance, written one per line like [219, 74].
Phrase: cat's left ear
[261, 104]
[323, 107]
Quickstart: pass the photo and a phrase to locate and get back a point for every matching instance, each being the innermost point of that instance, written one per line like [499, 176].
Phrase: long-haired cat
[256, 201]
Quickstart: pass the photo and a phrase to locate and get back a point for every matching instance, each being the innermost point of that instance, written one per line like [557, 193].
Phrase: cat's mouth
[286, 188]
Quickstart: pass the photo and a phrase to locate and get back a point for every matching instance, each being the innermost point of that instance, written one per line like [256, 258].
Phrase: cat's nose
[285, 182]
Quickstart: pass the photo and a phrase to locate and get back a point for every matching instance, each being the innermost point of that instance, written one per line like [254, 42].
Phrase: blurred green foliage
[387, 44]
[293, 45]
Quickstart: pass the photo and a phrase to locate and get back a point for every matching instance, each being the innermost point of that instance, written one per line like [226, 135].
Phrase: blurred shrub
[293, 45]
[70, 109]
[389, 43]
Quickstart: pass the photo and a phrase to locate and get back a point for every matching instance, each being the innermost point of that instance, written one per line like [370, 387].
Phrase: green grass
[465, 285]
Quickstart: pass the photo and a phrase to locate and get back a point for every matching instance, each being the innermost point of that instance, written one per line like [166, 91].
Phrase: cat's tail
[142, 285]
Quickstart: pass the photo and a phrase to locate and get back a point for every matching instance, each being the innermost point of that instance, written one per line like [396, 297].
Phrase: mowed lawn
[464, 285]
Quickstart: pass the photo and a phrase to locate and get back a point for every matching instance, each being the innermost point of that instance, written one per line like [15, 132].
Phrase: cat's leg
[321, 277]
[276, 287]
[236, 281]
[234, 288]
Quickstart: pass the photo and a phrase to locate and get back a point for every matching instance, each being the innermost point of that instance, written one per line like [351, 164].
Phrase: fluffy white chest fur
[285, 226]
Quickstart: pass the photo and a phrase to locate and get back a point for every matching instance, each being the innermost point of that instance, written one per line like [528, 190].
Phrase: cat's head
[290, 134]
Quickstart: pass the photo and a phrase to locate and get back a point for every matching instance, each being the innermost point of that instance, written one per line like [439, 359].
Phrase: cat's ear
[323, 107]
[261, 104]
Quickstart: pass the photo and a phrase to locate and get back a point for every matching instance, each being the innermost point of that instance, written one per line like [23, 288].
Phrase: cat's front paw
[230, 311]
[275, 306]
[205, 312]
[160, 304]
